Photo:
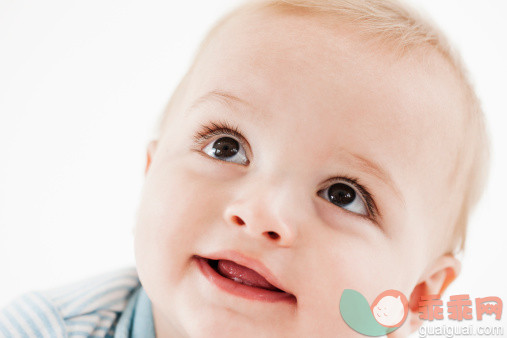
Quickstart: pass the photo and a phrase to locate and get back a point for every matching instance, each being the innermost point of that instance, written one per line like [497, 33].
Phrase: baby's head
[337, 143]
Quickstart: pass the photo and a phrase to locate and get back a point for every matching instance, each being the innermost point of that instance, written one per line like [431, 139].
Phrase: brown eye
[341, 194]
[227, 149]
[346, 197]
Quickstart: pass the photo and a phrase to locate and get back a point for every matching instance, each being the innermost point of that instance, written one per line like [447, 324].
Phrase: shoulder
[88, 307]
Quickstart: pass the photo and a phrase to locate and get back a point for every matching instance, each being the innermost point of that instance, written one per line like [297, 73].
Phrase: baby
[313, 146]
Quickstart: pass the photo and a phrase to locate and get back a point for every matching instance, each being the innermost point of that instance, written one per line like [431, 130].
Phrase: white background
[81, 87]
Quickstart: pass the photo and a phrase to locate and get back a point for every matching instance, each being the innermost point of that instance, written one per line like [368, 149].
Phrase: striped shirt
[89, 308]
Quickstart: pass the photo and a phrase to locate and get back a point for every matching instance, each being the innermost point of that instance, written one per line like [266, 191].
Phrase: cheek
[338, 262]
[370, 268]
[176, 211]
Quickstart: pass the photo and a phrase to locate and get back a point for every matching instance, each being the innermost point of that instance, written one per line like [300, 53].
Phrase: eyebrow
[222, 96]
[369, 166]
[374, 168]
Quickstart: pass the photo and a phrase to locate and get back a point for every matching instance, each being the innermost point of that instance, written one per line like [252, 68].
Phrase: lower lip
[242, 290]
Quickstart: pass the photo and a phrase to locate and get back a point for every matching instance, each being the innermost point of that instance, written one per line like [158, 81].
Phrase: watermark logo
[459, 307]
[450, 331]
[387, 312]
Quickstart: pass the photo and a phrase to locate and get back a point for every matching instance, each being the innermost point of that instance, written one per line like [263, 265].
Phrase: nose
[267, 213]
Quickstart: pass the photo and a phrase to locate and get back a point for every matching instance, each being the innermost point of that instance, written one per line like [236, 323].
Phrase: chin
[221, 326]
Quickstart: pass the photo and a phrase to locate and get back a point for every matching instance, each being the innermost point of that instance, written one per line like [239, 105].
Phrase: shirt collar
[136, 320]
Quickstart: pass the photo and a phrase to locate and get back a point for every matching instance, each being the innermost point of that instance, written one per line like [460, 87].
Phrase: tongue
[243, 275]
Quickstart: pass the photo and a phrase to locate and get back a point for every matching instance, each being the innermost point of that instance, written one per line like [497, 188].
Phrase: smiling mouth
[241, 281]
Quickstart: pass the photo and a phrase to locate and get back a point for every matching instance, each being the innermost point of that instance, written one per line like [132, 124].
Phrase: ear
[435, 280]
[150, 152]
[152, 146]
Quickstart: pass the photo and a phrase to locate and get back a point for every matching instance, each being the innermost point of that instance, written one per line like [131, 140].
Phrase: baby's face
[336, 178]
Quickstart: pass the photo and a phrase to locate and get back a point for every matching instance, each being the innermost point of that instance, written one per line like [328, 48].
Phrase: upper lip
[248, 262]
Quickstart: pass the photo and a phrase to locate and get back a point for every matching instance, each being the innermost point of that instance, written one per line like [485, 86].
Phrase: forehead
[321, 57]
[399, 112]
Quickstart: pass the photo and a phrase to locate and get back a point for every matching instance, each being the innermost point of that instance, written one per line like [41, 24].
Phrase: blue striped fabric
[90, 308]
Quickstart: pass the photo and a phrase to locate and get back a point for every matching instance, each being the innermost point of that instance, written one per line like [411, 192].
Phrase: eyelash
[211, 129]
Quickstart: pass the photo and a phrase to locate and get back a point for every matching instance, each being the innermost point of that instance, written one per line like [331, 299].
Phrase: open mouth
[241, 281]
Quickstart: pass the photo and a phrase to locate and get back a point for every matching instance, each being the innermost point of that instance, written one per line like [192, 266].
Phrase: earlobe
[152, 146]
[435, 281]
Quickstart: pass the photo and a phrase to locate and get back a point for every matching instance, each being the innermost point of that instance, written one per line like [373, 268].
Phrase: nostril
[237, 220]
[273, 235]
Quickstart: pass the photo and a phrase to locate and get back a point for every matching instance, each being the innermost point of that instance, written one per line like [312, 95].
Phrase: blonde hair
[401, 29]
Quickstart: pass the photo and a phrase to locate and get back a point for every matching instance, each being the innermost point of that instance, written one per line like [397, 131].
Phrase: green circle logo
[387, 312]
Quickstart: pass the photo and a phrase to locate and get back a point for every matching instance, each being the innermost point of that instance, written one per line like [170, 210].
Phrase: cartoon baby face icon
[390, 308]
